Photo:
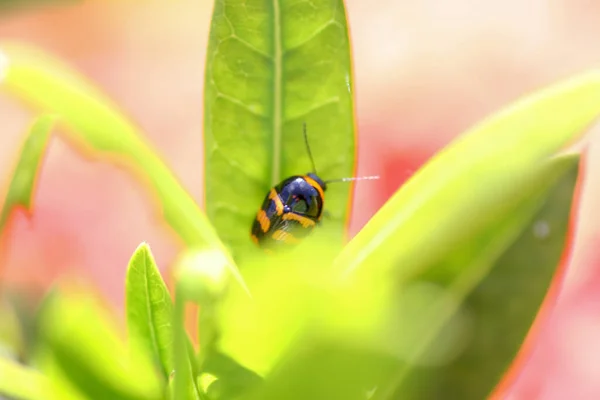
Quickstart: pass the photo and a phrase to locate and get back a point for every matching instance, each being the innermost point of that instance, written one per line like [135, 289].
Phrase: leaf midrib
[151, 321]
[277, 95]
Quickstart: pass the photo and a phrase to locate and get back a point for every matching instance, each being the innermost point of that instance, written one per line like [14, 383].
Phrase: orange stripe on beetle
[278, 203]
[263, 220]
[305, 222]
[283, 236]
[314, 184]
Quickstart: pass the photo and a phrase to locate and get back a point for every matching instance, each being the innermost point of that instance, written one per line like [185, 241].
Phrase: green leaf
[24, 178]
[271, 66]
[321, 370]
[416, 273]
[81, 346]
[450, 332]
[489, 292]
[453, 197]
[149, 308]
[441, 236]
[232, 379]
[12, 340]
[97, 127]
[184, 384]
[20, 382]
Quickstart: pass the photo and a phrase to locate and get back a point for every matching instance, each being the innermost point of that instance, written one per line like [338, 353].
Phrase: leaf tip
[143, 250]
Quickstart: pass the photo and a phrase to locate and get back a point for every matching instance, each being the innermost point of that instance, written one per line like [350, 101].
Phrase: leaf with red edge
[22, 185]
[98, 128]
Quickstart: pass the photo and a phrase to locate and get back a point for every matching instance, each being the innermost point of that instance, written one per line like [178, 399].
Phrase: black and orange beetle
[292, 208]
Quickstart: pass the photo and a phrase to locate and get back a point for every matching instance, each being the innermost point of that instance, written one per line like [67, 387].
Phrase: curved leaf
[80, 345]
[496, 283]
[23, 182]
[453, 337]
[23, 383]
[470, 182]
[184, 384]
[271, 66]
[149, 308]
[95, 125]
[451, 229]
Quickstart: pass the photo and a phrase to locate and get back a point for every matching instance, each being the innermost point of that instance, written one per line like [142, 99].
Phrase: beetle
[292, 208]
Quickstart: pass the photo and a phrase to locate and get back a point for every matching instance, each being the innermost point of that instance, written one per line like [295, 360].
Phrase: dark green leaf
[500, 289]
[271, 66]
[149, 308]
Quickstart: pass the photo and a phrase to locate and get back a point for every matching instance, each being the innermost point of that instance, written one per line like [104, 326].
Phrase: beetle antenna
[312, 161]
[355, 178]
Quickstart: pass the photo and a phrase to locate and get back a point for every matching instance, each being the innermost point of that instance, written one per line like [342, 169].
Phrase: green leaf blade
[184, 384]
[96, 127]
[149, 308]
[483, 169]
[507, 301]
[272, 66]
[490, 291]
[23, 383]
[21, 187]
[85, 351]
[449, 232]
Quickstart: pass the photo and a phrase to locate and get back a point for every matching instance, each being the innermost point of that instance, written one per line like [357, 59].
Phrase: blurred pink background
[424, 72]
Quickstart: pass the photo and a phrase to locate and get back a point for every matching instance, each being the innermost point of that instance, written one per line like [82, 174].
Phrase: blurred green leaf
[415, 311]
[80, 346]
[456, 194]
[450, 333]
[270, 67]
[490, 291]
[20, 382]
[12, 341]
[22, 184]
[203, 278]
[322, 370]
[232, 379]
[290, 307]
[97, 127]
[441, 235]
[184, 384]
[149, 308]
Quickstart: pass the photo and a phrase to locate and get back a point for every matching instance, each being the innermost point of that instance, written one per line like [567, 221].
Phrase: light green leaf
[271, 66]
[450, 332]
[24, 383]
[81, 346]
[97, 127]
[418, 274]
[149, 308]
[444, 232]
[454, 196]
[24, 178]
[184, 384]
